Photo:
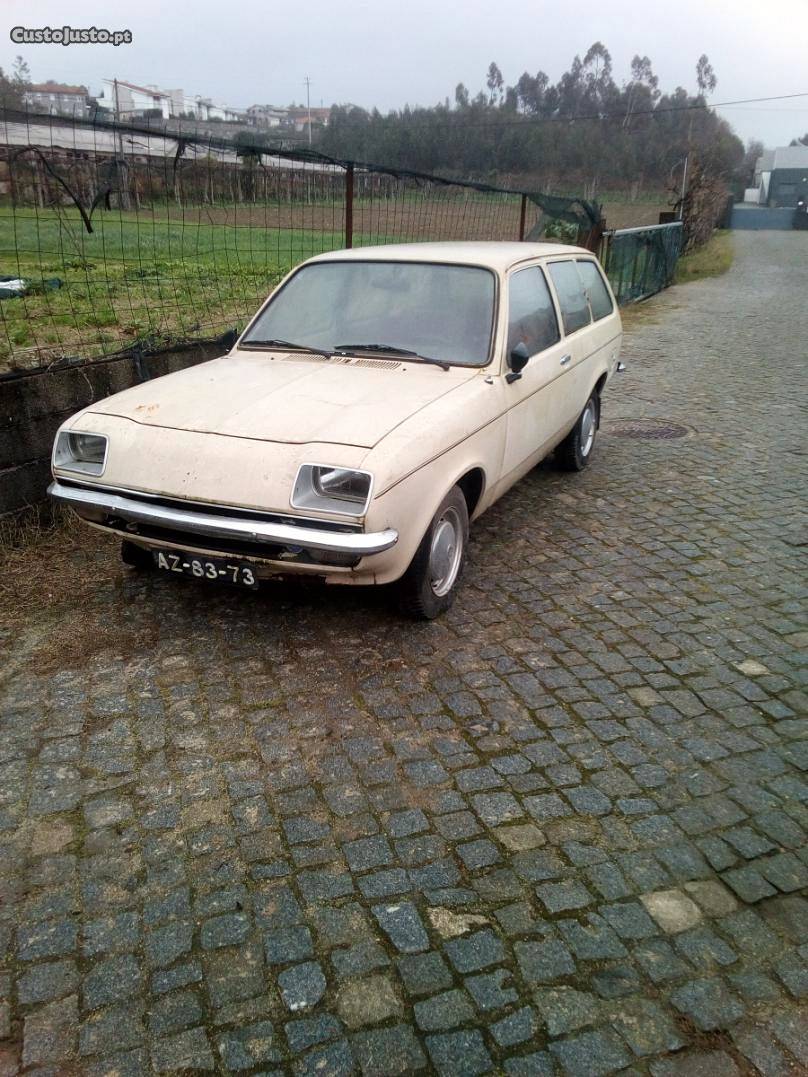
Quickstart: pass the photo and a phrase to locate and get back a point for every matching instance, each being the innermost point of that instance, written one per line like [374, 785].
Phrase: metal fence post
[522, 212]
[349, 192]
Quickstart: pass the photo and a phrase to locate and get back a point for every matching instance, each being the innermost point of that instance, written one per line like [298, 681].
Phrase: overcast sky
[383, 53]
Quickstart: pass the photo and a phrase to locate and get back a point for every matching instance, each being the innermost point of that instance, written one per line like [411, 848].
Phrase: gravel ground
[563, 830]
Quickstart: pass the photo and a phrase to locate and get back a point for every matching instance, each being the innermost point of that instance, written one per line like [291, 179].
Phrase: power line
[523, 120]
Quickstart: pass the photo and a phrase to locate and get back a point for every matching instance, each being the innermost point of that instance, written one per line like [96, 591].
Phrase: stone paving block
[50, 1032]
[336, 1060]
[474, 952]
[704, 949]
[565, 1009]
[459, 1053]
[302, 986]
[673, 910]
[388, 1052]
[790, 1028]
[562, 896]
[227, 930]
[708, 1004]
[492, 990]
[591, 1054]
[48, 981]
[518, 1027]
[592, 940]
[287, 944]
[713, 898]
[365, 956]
[497, 808]
[543, 962]
[402, 923]
[696, 1064]
[368, 1002]
[112, 980]
[185, 1051]
[785, 871]
[647, 1028]
[444, 1011]
[616, 981]
[173, 1012]
[629, 920]
[792, 969]
[479, 854]
[424, 974]
[748, 884]
[537, 1064]
[760, 1049]
[306, 1032]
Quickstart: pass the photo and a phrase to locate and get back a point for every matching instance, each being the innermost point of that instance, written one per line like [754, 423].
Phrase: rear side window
[571, 295]
[531, 316]
[599, 299]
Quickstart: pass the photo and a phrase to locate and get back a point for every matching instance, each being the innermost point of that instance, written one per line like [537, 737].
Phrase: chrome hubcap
[446, 552]
[587, 429]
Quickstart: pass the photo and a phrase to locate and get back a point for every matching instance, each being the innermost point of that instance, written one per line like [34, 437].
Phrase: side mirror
[518, 360]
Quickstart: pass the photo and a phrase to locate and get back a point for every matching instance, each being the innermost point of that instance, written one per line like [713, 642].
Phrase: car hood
[288, 398]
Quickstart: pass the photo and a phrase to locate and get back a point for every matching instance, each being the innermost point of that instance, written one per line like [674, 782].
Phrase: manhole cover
[650, 429]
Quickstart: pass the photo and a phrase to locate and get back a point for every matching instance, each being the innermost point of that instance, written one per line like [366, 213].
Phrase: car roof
[495, 255]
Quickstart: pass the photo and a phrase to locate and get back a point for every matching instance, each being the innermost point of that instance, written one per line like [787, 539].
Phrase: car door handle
[565, 359]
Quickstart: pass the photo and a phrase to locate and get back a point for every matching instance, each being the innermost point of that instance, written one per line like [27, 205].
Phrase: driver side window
[531, 315]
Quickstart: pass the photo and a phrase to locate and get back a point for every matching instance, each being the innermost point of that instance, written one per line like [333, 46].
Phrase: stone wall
[33, 404]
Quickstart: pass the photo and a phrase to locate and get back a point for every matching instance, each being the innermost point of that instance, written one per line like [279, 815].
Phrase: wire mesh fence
[641, 261]
[117, 237]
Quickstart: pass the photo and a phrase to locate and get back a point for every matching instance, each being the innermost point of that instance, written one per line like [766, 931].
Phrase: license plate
[213, 569]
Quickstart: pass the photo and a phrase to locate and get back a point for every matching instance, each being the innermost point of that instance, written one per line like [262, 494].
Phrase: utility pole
[684, 187]
[307, 80]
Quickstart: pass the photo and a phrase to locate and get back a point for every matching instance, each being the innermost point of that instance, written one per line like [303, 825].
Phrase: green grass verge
[711, 260]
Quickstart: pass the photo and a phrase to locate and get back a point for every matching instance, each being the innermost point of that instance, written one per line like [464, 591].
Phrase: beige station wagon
[380, 400]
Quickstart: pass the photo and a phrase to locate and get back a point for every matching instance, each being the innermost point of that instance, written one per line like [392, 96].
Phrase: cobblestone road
[563, 830]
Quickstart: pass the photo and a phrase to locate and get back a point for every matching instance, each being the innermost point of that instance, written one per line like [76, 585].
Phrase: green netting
[641, 261]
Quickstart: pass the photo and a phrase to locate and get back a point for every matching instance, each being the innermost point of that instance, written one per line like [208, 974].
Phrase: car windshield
[442, 312]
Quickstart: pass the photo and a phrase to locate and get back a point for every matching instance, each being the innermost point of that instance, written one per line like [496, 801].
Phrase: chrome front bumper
[119, 506]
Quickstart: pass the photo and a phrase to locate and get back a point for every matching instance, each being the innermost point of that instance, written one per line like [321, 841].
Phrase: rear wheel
[575, 451]
[429, 585]
[135, 556]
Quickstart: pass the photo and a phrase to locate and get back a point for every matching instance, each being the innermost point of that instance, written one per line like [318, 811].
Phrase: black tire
[575, 451]
[135, 556]
[420, 594]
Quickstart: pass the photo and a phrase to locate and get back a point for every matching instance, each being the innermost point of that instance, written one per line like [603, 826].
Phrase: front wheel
[575, 451]
[429, 585]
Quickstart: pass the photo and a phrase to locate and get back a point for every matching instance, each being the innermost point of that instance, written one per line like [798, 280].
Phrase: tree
[643, 89]
[800, 141]
[705, 76]
[21, 72]
[10, 92]
[494, 82]
[461, 96]
[754, 149]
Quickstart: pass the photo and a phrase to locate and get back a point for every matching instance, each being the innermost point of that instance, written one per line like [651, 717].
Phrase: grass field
[711, 260]
[135, 278]
[171, 273]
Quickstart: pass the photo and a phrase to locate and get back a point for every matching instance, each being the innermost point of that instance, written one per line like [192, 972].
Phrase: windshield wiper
[391, 349]
[275, 344]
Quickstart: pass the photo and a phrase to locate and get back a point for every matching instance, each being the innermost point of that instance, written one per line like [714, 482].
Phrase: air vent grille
[376, 362]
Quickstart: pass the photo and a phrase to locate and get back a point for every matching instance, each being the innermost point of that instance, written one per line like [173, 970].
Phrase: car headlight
[325, 488]
[76, 451]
